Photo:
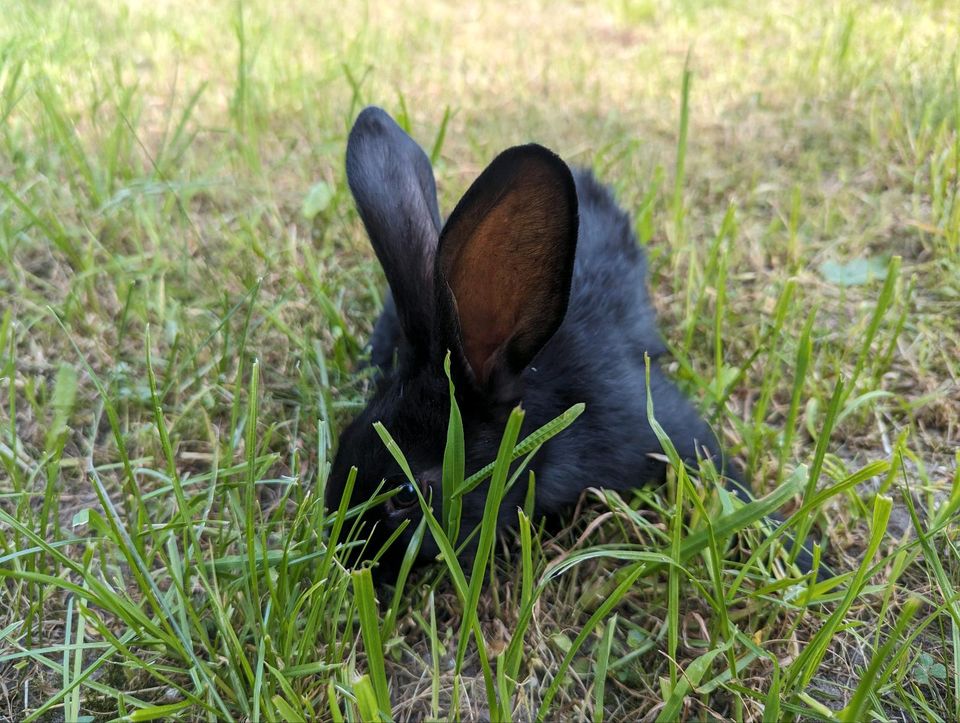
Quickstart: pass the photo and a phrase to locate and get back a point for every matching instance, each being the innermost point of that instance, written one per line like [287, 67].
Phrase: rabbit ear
[392, 183]
[505, 265]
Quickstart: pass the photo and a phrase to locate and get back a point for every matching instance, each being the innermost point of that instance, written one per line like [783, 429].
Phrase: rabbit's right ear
[392, 183]
[505, 266]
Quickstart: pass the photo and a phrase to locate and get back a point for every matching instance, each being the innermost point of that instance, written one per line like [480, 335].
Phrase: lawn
[186, 291]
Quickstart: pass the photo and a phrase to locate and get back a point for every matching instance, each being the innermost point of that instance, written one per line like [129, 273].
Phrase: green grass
[185, 291]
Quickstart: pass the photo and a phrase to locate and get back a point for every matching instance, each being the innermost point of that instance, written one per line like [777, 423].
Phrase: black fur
[595, 356]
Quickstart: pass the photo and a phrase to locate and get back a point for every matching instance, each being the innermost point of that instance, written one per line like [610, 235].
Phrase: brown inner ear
[503, 276]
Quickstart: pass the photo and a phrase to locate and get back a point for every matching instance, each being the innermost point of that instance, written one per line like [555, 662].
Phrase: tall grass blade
[372, 644]
[600, 671]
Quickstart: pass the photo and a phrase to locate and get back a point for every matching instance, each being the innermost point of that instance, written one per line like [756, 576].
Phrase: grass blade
[370, 629]
[600, 672]
[454, 460]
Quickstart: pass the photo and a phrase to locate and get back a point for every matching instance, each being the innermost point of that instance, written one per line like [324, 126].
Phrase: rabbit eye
[405, 497]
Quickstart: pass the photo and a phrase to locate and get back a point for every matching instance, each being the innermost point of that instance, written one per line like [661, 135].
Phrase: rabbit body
[588, 346]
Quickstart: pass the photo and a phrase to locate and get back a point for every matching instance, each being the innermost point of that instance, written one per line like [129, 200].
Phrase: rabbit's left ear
[505, 265]
[392, 182]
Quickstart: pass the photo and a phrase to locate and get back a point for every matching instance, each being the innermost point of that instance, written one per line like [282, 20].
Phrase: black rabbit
[537, 287]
